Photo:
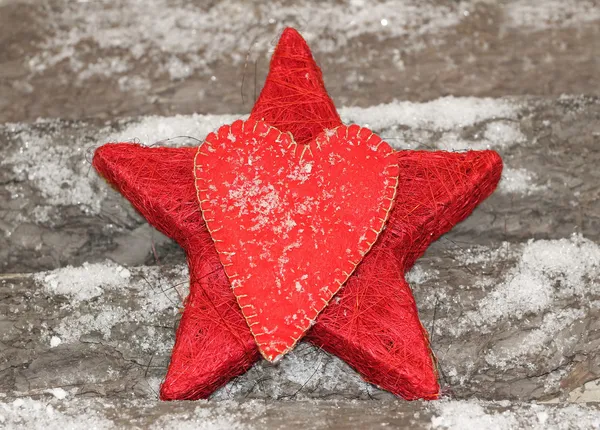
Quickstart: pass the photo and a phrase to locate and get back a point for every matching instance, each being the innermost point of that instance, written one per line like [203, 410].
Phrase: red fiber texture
[294, 95]
[272, 205]
[372, 323]
[375, 325]
[213, 343]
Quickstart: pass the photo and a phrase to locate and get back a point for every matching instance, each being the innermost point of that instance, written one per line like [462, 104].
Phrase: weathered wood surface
[72, 60]
[492, 339]
[49, 413]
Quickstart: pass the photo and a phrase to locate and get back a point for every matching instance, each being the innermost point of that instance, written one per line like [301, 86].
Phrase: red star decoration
[373, 323]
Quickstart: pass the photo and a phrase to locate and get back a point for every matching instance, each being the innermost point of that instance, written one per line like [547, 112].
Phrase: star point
[294, 98]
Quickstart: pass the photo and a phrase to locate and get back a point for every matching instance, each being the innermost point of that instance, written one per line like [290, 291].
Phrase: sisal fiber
[373, 322]
[294, 95]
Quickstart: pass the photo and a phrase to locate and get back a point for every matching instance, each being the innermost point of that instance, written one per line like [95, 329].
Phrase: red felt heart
[291, 222]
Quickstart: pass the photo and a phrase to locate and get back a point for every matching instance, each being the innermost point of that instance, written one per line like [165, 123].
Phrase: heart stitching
[266, 199]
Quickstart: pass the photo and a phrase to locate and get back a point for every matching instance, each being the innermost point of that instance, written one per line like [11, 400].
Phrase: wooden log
[511, 296]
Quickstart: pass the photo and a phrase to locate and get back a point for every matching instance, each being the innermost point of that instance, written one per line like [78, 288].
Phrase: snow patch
[480, 415]
[471, 415]
[417, 275]
[552, 324]
[178, 38]
[448, 123]
[58, 171]
[165, 131]
[89, 289]
[519, 181]
[33, 414]
[59, 393]
[85, 282]
[534, 16]
[55, 341]
[446, 113]
[546, 272]
[502, 134]
[226, 415]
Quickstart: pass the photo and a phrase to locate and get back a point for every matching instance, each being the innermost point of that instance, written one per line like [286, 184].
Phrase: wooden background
[76, 66]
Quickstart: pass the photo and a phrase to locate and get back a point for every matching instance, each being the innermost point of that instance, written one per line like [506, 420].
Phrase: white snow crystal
[470, 415]
[417, 275]
[55, 341]
[59, 393]
[85, 282]
[56, 170]
[503, 133]
[40, 415]
[165, 130]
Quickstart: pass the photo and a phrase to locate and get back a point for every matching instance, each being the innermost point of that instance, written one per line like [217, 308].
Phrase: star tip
[106, 152]
[291, 41]
[100, 155]
[295, 78]
[290, 33]
[496, 159]
[108, 155]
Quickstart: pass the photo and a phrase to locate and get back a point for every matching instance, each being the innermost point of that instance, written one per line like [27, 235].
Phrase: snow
[227, 415]
[179, 38]
[55, 341]
[519, 181]
[417, 275]
[32, 414]
[545, 273]
[59, 393]
[533, 341]
[532, 15]
[164, 131]
[59, 169]
[56, 170]
[445, 113]
[503, 134]
[74, 414]
[437, 123]
[465, 415]
[93, 413]
[89, 289]
[85, 282]
[480, 415]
